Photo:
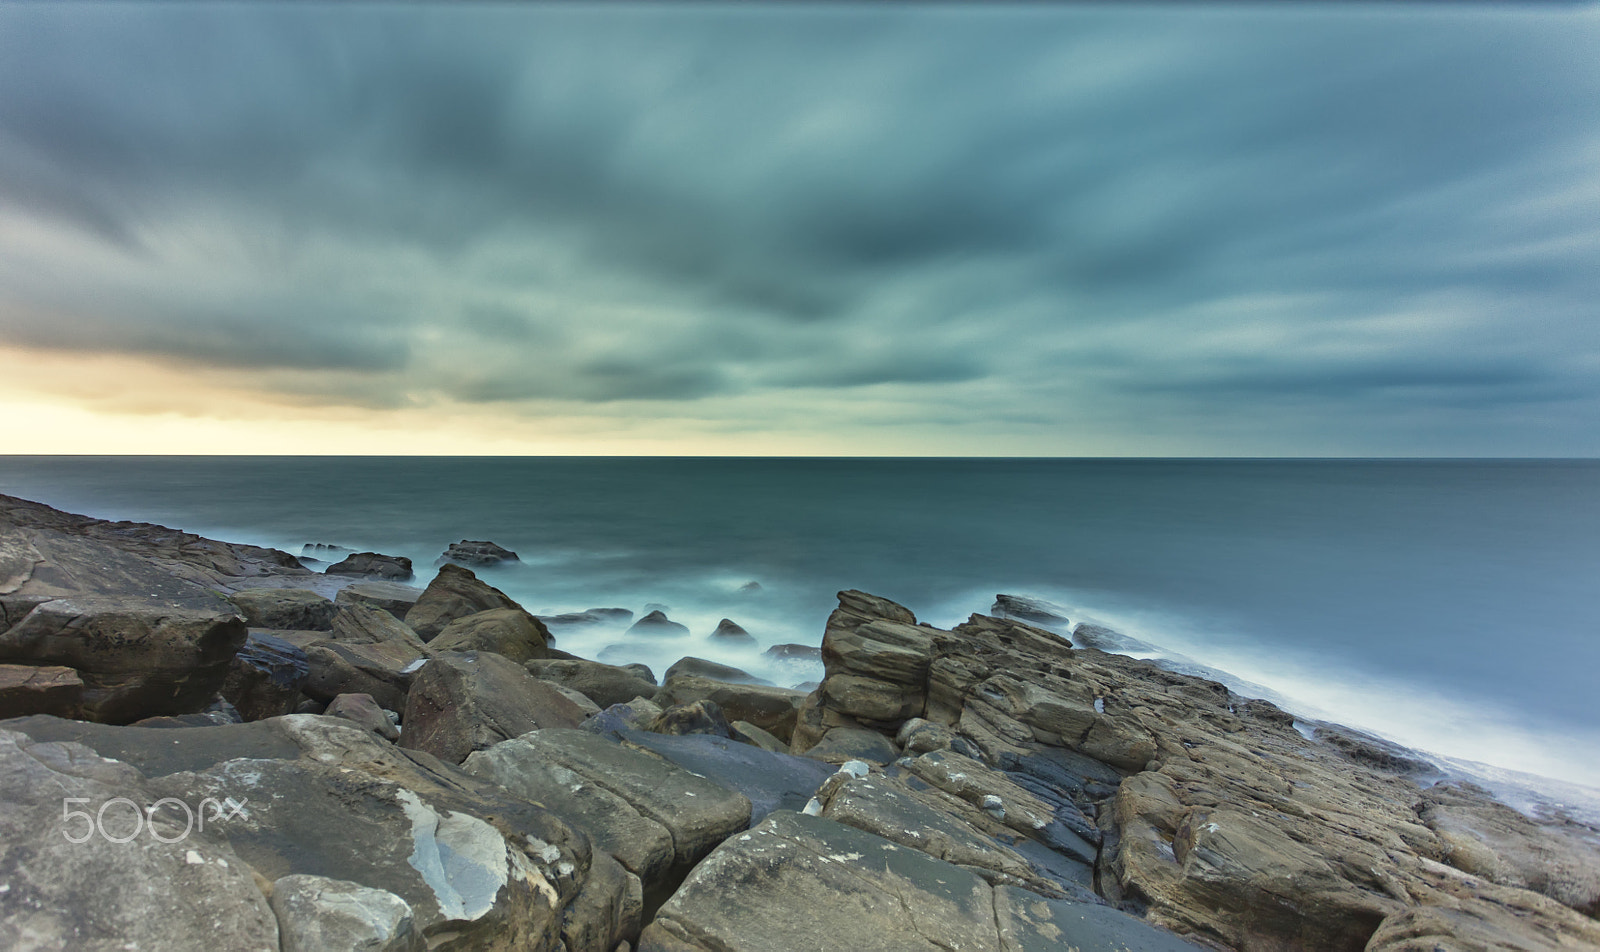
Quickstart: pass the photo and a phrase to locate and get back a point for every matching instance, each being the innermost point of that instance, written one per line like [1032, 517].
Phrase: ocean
[1449, 605]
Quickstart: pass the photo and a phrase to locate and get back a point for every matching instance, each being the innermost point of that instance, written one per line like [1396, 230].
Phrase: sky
[1040, 230]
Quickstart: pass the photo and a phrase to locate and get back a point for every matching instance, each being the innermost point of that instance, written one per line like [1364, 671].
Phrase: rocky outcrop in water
[476, 554]
[987, 787]
[396, 568]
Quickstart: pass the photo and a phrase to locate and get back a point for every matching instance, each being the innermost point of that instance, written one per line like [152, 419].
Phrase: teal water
[1447, 604]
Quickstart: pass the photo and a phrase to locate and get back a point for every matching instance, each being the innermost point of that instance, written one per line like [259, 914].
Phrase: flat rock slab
[800, 882]
[698, 812]
[771, 781]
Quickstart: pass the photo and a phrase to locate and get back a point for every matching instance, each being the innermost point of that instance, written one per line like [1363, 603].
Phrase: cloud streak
[830, 220]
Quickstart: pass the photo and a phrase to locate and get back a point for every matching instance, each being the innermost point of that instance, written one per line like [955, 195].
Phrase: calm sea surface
[1451, 605]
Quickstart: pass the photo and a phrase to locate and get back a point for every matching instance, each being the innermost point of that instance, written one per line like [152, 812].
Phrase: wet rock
[396, 568]
[454, 593]
[477, 554]
[392, 597]
[265, 677]
[1029, 609]
[362, 710]
[750, 588]
[711, 670]
[136, 659]
[770, 708]
[295, 609]
[1370, 751]
[317, 914]
[509, 632]
[30, 689]
[730, 632]
[699, 717]
[657, 623]
[592, 616]
[466, 701]
[603, 684]
[1028, 923]
[793, 653]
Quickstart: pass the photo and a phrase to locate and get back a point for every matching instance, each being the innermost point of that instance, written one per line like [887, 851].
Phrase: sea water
[1448, 605]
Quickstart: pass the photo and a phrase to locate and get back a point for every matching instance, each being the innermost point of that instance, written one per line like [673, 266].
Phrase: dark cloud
[506, 204]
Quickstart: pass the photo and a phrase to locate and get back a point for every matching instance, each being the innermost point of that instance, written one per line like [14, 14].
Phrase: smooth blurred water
[1447, 604]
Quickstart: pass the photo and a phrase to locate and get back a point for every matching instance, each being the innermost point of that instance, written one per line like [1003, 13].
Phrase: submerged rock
[657, 623]
[730, 632]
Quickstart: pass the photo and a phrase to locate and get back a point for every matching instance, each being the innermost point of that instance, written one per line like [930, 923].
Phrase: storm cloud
[1341, 230]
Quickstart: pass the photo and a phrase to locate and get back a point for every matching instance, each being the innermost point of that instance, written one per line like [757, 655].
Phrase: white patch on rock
[193, 858]
[855, 768]
[1099, 705]
[463, 860]
[813, 807]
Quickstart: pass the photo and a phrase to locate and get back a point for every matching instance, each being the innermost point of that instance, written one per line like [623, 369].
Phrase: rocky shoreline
[211, 746]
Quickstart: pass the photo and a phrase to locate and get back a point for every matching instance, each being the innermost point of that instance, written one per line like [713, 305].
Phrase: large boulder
[136, 659]
[454, 593]
[49, 689]
[478, 868]
[509, 632]
[770, 708]
[291, 609]
[466, 701]
[396, 568]
[393, 597]
[360, 624]
[730, 632]
[604, 684]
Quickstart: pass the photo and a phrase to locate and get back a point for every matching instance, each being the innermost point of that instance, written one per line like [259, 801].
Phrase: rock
[657, 623]
[1489, 839]
[454, 593]
[384, 670]
[593, 616]
[1370, 751]
[880, 657]
[68, 886]
[317, 914]
[265, 677]
[918, 736]
[588, 707]
[392, 597]
[655, 607]
[603, 684]
[793, 653]
[642, 670]
[362, 710]
[136, 659]
[794, 878]
[509, 632]
[358, 624]
[732, 633]
[701, 668]
[699, 717]
[769, 780]
[773, 709]
[295, 609]
[30, 689]
[323, 551]
[654, 817]
[467, 701]
[396, 568]
[476, 554]
[1029, 609]
[748, 733]
[616, 720]
[853, 743]
[479, 868]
